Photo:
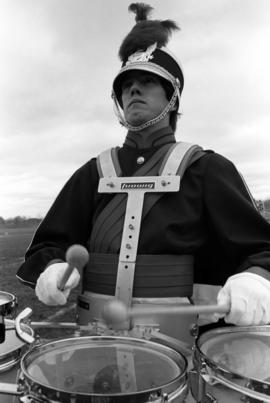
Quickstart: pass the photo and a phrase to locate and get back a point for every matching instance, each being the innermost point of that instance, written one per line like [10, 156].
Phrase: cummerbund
[155, 275]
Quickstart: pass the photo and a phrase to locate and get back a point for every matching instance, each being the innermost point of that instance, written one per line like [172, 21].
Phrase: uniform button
[140, 160]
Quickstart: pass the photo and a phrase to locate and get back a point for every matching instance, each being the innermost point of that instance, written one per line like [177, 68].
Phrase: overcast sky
[57, 62]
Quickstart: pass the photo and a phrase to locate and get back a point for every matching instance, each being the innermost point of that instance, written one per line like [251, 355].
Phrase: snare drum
[103, 369]
[232, 364]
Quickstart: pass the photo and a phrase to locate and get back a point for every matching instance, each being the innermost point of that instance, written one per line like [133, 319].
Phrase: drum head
[104, 366]
[244, 351]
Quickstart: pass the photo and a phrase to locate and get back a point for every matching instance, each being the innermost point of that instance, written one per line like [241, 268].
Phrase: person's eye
[149, 80]
[126, 85]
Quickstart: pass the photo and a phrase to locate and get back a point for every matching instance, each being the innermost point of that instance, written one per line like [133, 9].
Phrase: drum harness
[178, 157]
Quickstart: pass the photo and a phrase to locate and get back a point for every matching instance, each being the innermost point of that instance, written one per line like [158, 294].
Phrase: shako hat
[144, 48]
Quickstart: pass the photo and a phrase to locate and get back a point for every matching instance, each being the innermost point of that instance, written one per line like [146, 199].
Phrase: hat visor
[143, 66]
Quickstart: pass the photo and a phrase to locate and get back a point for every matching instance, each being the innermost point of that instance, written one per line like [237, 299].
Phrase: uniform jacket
[212, 217]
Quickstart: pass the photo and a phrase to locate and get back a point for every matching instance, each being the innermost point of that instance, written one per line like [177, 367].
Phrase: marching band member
[205, 242]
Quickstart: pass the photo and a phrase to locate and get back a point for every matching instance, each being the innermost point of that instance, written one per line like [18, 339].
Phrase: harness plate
[168, 183]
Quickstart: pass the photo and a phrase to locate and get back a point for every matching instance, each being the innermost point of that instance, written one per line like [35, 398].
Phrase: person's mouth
[135, 101]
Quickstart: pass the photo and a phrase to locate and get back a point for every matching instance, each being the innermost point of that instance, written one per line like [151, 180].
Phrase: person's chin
[137, 120]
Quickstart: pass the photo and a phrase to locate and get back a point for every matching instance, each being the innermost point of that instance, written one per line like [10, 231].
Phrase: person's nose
[135, 88]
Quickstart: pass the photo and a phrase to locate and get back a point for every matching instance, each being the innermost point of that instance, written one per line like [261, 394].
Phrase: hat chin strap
[120, 114]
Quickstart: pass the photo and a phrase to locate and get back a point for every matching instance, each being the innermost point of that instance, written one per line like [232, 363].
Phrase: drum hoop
[12, 353]
[7, 307]
[179, 381]
[223, 371]
[17, 352]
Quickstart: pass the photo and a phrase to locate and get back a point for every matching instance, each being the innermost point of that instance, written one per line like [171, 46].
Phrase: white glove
[248, 296]
[48, 282]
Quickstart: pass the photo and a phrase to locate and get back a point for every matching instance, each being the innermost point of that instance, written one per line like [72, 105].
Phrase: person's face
[143, 97]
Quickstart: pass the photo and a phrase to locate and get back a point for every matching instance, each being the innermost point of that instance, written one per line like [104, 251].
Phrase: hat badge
[142, 56]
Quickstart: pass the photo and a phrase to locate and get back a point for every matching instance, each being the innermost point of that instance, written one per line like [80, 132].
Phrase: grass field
[13, 244]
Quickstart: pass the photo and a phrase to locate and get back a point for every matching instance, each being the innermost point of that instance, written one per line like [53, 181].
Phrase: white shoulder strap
[107, 163]
[175, 161]
[178, 157]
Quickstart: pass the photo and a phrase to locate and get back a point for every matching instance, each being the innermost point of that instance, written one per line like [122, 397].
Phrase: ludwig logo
[138, 185]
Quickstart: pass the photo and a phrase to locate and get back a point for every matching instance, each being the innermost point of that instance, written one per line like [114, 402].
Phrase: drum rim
[7, 307]
[222, 370]
[19, 350]
[177, 382]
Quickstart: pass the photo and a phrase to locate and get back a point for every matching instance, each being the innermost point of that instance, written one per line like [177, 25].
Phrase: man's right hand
[48, 282]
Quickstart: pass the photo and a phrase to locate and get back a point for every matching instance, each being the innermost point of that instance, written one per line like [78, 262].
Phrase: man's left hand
[248, 296]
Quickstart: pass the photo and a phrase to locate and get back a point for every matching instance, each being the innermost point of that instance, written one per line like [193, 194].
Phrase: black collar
[156, 139]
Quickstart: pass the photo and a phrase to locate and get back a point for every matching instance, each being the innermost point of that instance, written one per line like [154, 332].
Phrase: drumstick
[61, 312]
[181, 310]
[76, 256]
[116, 312]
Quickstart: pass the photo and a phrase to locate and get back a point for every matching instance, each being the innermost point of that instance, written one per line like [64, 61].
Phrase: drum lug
[28, 395]
[209, 399]
[196, 385]
[194, 330]
[197, 388]
[164, 398]
[178, 395]
[31, 399]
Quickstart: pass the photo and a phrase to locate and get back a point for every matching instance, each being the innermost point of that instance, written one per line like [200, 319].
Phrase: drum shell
[176, 390]
[213, 382]
[91, 306]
